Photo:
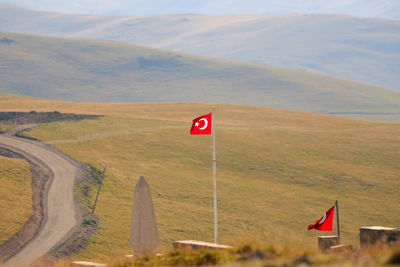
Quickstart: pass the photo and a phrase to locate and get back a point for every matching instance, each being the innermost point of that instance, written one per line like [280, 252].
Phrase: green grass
[277, 170]
[15, 196]
[105, 71]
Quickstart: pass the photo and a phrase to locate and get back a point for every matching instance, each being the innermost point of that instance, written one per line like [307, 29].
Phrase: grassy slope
[15, 196]
[4, 128]
[278, 170]
[361, 49]
[84, 70]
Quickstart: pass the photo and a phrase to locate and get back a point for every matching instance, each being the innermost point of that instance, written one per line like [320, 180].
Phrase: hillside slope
[359, 49]
[386, 9]
[105, 71]
[277, 170]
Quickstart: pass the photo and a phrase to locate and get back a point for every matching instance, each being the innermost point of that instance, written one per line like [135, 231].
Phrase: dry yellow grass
[253, 254]
[15, 196]
[277, 170]
[4, 128]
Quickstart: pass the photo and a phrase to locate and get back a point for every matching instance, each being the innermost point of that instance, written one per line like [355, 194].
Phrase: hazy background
[356, 48]
[365, 8]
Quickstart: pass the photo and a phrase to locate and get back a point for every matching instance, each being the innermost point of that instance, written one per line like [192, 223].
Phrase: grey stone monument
[144, 233]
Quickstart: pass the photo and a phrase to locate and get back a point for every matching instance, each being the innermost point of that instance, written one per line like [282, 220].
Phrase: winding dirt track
[61, 215]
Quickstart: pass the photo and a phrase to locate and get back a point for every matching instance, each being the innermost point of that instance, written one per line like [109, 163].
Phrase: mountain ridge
[359, 49]
[360, 8]
[108, 71]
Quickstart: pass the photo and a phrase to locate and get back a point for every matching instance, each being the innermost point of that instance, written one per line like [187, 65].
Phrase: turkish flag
[325, 223]
[201, 125]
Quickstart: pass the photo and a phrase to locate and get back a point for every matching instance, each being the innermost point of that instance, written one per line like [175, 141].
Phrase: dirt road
[61, 216]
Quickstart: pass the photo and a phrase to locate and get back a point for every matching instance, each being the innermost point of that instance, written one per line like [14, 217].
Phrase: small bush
[90, 222]
[95, 174]
[395, 257]
[243, 249]
[207, 258]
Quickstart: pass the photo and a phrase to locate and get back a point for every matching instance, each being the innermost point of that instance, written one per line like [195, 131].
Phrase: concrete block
[131, 256]
[86, 264]
[341, 249]
[193, 244]
[378, 235]
[325, 242]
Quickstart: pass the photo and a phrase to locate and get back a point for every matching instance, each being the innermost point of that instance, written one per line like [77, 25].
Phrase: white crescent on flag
[205, 124]
[322, 219]
[205, 129]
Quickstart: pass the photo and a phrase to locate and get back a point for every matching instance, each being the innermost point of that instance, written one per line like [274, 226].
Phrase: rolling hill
[106, 71]
[277, 170]
[387, 9]
[359, 49]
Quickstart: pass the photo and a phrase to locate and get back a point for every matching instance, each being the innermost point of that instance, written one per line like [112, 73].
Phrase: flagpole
[215, 178]
[337, 217]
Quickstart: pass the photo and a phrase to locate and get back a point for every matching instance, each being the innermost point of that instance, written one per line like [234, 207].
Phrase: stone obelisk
[144, 233]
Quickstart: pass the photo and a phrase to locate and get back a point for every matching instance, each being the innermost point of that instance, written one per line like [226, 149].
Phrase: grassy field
[105, 71]
[277, 170]
[15, 196]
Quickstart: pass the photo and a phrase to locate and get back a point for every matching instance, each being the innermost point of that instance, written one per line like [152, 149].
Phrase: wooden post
[98, 191]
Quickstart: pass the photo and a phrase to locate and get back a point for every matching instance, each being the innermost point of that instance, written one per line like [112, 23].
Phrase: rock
[325, 242]
[144, 233]
[378, 235]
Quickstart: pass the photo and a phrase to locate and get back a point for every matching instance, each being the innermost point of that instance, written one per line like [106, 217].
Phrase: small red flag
[325, 223]
[202, 125]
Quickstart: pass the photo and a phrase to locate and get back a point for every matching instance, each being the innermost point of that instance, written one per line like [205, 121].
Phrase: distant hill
[387, 9]
[359, 49]
[106, 71]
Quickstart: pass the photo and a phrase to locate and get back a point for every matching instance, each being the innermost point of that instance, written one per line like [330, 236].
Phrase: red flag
[202, 125]
[325, 223]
